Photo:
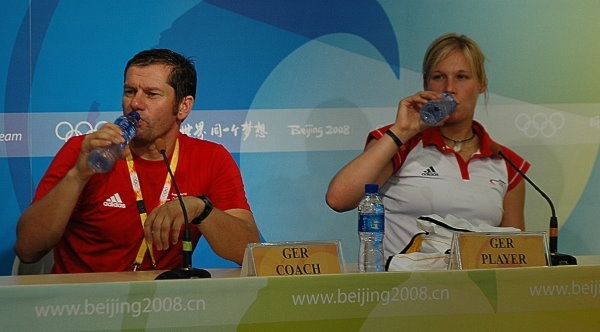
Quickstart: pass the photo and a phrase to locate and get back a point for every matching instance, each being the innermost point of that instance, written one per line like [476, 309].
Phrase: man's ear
[185, 107]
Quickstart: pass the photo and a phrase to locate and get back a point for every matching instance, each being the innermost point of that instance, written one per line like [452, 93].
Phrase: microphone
[555, 257]
[187, 272]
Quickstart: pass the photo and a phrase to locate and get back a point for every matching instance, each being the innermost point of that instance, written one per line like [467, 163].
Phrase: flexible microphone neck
[496, 150]
[553, 236]
[187, 234]
[556, 258]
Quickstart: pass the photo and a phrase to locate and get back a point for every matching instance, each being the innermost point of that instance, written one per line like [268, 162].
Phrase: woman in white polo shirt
[448, 169]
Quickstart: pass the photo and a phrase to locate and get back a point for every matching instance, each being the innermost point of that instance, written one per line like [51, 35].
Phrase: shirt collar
[433, 136]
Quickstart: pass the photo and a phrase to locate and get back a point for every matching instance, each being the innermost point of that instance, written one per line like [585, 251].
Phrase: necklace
[457, 144]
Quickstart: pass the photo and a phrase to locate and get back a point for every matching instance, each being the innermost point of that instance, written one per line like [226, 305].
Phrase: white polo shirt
[431, 178]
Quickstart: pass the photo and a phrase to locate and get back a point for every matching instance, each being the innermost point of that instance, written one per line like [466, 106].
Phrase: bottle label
[371, 223]
[436, 110]
[128, 128]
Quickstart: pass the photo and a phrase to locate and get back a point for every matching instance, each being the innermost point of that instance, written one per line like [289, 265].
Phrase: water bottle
[102, 159]
[435, 111]
[370, 231]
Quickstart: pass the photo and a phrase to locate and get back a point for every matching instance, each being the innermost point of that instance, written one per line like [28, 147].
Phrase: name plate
[476, 250]
[292, 258]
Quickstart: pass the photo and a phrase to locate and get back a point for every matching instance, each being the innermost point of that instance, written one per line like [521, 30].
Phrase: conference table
[530, 299]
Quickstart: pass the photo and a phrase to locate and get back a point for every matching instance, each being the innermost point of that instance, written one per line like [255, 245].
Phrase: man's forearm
[42, 224]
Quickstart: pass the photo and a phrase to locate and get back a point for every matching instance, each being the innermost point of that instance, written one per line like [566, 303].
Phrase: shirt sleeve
[64, 160]
[513, 175]
[226, 189]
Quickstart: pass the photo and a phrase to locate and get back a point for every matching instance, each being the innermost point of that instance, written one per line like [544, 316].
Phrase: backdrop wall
[291, 88]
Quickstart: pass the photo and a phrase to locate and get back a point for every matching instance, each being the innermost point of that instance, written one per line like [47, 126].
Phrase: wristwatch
[208, 207]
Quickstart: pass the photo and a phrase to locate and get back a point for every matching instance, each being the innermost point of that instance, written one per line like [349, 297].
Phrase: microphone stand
[187, 272]
[556, 258]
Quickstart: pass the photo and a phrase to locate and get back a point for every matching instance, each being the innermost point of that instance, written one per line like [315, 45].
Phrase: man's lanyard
[164, 195]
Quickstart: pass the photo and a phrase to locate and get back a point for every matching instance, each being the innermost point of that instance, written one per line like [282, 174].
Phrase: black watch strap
[208, 207]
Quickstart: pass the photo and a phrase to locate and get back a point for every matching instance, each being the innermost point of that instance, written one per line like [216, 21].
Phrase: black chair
[43, 266]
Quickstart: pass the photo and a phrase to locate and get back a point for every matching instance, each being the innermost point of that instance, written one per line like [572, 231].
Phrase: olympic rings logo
[540, 123]
[65, 130]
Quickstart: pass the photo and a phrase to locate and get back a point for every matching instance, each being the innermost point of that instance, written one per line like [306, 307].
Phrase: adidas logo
[114, 201]
[430, 172]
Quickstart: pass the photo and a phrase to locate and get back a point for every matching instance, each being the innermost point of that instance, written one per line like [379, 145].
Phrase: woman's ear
[483, 87]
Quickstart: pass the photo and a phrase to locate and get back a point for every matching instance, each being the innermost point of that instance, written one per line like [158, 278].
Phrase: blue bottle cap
[371, 188]
[135, 115]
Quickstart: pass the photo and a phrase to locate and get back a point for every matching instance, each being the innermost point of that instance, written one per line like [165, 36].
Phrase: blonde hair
[440, 48]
